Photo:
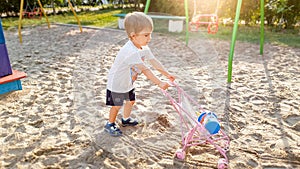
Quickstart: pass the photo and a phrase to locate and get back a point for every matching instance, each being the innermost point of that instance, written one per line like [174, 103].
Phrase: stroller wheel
[222, 163]
[226, 148]
[180, 154]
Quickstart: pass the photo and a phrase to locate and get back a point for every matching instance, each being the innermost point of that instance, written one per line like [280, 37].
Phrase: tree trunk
[53, 7]
[137, 5]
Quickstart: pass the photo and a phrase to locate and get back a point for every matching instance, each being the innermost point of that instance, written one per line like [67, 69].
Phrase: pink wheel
[222, 163]
[180, 154]
[226, 148]
[212, 28]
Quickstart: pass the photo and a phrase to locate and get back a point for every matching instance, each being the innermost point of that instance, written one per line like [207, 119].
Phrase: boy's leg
[126, 120]
[111, 126]
[116, 101]
[129, 102]
[127, 109]
[113, 113]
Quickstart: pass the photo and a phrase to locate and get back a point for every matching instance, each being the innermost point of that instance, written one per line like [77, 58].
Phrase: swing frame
[43, 11]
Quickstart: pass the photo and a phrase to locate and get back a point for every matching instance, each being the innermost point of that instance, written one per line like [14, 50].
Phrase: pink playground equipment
[201, 18]
[34, 12]
[198, 126]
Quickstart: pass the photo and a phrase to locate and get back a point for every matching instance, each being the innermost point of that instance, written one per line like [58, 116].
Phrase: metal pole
[186, 22]
[41, 6]
[195, 8]
[147, 6]
[217, 8]
[236, 21]
[78, 21]
[20, 20]
[262, 24]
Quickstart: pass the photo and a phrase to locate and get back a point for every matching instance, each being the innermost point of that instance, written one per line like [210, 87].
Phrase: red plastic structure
[36, 13]
[211, 20]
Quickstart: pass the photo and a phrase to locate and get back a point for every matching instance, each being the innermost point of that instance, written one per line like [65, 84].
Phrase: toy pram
[198, 126]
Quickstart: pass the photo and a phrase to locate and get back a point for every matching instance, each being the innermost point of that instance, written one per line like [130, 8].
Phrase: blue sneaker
[112, 129]
[129, 122]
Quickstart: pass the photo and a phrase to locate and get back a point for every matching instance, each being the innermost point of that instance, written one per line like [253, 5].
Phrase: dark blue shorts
[117, 99]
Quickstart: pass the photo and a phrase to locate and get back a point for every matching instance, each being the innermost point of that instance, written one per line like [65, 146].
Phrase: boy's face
[142, 38]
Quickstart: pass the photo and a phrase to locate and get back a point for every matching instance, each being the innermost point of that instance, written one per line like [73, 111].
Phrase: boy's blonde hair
[137, 21]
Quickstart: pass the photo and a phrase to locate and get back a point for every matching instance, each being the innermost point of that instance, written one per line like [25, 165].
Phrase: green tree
[282, 13]
[10, 8]
[292, 15]
[171, 7]
[250, 11]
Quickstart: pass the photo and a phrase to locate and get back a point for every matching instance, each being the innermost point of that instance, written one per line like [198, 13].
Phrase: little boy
[128, 63]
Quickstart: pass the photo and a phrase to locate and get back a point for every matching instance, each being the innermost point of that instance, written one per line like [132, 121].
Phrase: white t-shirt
[119, 76]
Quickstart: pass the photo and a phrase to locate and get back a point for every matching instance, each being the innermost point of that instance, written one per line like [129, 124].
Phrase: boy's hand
[163, 85]
[171, 78]
[134, 77]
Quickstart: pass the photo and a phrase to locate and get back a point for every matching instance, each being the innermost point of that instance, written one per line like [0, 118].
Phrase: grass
[249, 34]
[252, 34]
[105, 18]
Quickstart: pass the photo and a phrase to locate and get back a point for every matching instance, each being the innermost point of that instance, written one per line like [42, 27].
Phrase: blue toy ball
[210, 121]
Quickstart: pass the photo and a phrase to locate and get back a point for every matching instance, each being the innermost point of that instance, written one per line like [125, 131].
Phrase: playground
[57, 120]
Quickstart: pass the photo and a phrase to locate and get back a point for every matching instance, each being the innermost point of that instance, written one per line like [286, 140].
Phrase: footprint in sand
[293, 121]
[163, 121]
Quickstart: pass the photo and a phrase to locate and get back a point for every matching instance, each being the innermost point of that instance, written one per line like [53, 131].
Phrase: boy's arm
[148, 73]
[159, 67]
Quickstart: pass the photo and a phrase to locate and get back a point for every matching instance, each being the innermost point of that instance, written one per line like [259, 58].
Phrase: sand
[57, 120]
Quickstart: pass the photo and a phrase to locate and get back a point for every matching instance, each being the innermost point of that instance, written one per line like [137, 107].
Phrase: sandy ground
[57, 120]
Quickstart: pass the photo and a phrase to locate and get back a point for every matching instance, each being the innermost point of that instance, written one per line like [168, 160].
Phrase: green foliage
[104, 18]
[278, 13]
[168, 7]
[250, 11]
[9, 7]
[281, 14]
